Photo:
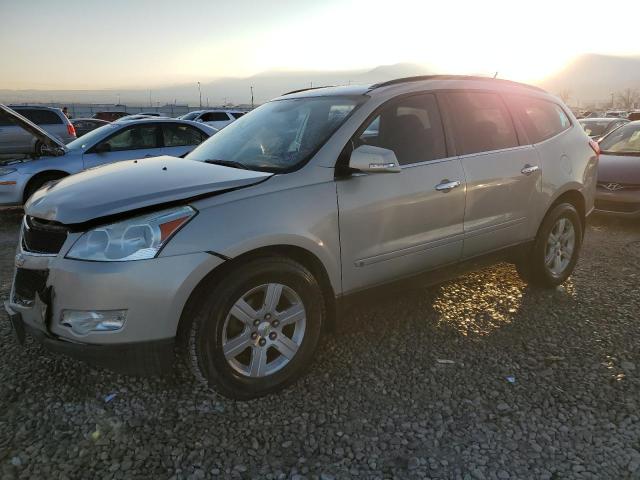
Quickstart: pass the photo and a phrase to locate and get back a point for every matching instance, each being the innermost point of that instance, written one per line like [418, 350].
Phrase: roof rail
[305, 89]
[450, 77]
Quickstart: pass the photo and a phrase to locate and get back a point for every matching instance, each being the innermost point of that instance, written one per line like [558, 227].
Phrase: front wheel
[556, 248]
[255, 331]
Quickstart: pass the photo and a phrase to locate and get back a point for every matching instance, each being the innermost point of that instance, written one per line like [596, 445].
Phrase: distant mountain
[265, 85]
[592, 78]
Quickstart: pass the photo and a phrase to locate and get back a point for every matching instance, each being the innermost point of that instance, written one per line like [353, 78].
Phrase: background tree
[628, 98]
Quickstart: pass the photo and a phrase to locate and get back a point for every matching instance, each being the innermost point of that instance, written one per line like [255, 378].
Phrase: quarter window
[411, 127]
[214, 117]
[481, 122]
[177, 135]
[40, 117]
[541, 119]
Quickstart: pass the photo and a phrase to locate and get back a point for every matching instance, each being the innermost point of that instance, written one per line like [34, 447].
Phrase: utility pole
[251, 96]
[612, 100]
[200, 92]
[150, 103]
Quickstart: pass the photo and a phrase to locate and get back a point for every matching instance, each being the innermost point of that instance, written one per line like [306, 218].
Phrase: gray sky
[146, 43]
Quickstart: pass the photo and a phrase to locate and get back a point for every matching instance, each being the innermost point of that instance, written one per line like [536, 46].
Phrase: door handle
[529, 169]
[447, 186]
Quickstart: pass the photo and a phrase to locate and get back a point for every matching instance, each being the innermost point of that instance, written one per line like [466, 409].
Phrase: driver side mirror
[102, 148]
[370, 159]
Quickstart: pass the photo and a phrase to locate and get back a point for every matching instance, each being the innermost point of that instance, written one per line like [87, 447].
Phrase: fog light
[82, 322]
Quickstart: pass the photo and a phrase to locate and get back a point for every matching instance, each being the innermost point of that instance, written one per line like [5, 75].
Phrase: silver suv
[242, 252]
[14, 139]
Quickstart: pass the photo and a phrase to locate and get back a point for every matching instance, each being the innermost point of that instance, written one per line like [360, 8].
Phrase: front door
[128, 143]
[503, 177]
[393, 225]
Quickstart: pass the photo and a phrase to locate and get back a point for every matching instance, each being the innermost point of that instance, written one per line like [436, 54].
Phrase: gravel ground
[378, 402]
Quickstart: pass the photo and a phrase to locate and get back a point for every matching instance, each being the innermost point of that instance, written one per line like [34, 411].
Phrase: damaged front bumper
[152, 292]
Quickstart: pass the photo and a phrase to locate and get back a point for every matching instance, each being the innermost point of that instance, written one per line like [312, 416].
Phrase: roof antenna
[495, 75]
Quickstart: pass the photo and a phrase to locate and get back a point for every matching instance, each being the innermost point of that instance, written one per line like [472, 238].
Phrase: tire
[38, 149]
[34, 185]
[224, 349]
[548, 264]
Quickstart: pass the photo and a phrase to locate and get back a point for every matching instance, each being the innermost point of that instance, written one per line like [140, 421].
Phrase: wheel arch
[575, 198]
[299, 254]
[38, 176]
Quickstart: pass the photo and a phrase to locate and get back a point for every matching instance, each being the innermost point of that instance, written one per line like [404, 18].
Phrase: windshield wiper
[228, 163]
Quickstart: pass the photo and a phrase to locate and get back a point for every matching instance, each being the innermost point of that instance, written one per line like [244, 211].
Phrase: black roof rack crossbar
[450, 77]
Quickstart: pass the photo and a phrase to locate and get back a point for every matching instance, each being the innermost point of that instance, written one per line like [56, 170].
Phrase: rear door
[503, 176]
[394, 225]
[16, 139]
[134, 141]
[179, 138]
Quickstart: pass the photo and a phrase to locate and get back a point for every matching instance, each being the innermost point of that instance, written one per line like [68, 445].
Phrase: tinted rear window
[40, 117]
[541, 119]
[214, 117]
[481, 122]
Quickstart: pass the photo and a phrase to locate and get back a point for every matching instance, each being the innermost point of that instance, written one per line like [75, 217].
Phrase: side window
[177, 135]
[237, 114]
[541, 119]
[481, 122]
[40, 117]
[214, 117]
[134, 138]
[411, 127]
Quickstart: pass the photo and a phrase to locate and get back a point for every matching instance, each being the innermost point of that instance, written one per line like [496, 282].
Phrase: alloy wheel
[263, 330]
[560, 246]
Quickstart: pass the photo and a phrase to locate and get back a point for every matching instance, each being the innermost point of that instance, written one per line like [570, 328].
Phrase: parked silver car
[15, 139]
[113, 142]
[240, 253]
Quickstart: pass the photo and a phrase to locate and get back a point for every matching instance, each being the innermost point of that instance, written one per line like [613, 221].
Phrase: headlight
[138, 238]
[6, 171]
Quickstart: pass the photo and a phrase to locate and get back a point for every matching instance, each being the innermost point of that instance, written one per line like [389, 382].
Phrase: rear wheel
[256, 331]
[556, 248]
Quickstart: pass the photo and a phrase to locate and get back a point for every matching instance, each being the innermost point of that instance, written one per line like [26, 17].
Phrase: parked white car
[216, 118]
[149, 137]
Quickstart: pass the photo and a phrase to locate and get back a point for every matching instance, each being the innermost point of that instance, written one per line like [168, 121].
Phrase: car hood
[52, 142]
[122, 187]
[619, 169]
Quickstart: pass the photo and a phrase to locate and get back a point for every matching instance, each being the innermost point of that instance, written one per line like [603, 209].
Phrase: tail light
[595, 146]
[71, 129]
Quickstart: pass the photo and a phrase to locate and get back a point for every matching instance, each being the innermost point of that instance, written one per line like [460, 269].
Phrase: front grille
[621, 207]
[41, 236]
[27, 283]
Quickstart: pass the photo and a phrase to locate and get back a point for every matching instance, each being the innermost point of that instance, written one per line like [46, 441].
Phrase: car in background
[109, 116]
[114, 142]
[152, 114]
[253, 246]
[616, 113]
[14, 139]
[618, 191]
[85, 125]
[635, 115]
[217, 118]
[599, 127]
[138, 116]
